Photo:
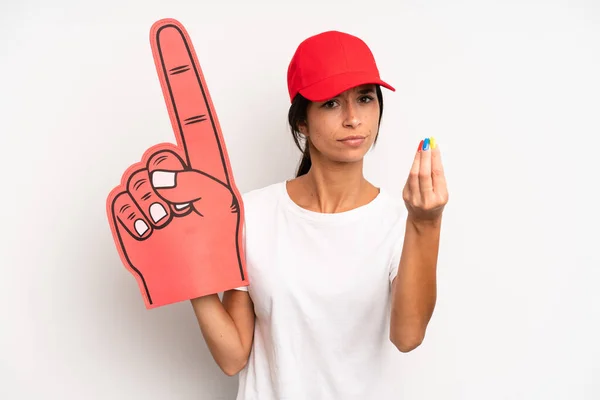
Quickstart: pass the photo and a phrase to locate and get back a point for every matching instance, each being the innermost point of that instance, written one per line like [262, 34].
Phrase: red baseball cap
[329, 63]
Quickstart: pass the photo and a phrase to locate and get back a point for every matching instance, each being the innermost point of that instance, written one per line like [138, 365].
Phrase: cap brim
[335, 85]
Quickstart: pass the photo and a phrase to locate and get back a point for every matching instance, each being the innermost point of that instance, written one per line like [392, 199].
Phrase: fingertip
[165, 157]
[130, 217]
[158, 212]
[426, 144]
[141, 227]
[163, 179]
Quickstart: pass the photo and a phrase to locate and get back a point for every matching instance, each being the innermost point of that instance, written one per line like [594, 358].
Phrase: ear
[303, 128]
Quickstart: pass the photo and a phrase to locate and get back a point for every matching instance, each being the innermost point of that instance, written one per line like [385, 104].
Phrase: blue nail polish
[426, 144]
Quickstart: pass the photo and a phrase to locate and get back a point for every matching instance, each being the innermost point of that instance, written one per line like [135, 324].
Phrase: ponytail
[296, 116]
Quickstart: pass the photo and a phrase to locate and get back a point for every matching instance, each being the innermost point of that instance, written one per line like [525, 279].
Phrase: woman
[337, 267]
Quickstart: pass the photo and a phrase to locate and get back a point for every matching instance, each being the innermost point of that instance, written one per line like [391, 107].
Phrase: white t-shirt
[321, 285]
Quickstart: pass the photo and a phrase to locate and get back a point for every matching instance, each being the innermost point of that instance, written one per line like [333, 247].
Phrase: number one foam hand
[177, 217]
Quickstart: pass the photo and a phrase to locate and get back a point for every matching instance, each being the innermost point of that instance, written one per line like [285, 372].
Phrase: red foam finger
[188, 101]
[199, 250]
[155, 209]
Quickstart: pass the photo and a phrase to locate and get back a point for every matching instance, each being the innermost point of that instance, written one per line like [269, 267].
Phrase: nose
[351, 117]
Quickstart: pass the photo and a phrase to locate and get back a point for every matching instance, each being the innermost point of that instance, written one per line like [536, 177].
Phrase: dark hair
[297, 115]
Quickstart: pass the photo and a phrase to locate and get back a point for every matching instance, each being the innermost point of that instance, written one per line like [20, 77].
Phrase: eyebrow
[362, 91]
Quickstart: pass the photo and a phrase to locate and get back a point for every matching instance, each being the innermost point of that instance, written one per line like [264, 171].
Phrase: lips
[354, 137]
[355, 141]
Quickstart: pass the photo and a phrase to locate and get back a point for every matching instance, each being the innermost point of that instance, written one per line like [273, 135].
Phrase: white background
[510, 89]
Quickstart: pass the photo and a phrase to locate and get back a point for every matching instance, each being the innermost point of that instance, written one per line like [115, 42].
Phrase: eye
[329, 104]
[366, 99]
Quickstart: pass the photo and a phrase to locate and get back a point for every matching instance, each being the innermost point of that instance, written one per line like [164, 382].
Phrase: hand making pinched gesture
[425, 192]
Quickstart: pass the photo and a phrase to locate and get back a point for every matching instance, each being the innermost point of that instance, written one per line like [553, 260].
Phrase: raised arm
[414, 290]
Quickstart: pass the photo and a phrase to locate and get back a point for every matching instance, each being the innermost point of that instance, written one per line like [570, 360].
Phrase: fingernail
[157, 212]
[140, 227]
[181, 206]
[426, 144]
[163, 179]
[420, 146]
[432, 142]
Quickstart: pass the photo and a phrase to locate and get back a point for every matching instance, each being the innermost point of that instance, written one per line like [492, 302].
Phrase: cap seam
[343, 51]
[299, 67]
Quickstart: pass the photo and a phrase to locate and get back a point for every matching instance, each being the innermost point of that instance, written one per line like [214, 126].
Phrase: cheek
[318, 140]
[323, 135]
[323, 132]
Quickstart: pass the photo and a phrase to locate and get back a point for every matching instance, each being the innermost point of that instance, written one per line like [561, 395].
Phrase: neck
[334, 187]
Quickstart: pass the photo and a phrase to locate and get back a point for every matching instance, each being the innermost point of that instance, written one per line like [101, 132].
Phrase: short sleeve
[395, 262]
[397, 248]
[243, 288]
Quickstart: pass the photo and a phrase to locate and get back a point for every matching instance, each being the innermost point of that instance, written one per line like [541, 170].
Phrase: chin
[349, 156]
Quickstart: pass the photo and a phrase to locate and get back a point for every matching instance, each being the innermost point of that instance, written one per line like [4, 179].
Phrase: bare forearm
[220, 333]
[414, 290]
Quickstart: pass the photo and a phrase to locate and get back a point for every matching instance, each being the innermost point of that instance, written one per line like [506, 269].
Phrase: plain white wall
[509, 88]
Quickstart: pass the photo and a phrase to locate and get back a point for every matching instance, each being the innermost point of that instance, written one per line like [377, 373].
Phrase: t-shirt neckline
[344, 216]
